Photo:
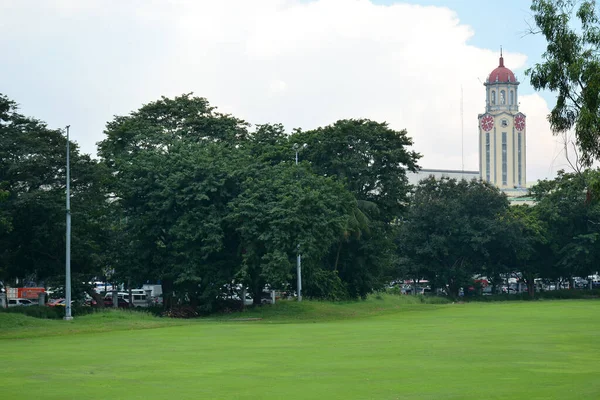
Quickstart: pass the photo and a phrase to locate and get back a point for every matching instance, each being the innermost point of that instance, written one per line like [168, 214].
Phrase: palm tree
[356, 225]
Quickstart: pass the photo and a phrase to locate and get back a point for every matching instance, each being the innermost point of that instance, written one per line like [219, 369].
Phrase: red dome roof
[502, 74]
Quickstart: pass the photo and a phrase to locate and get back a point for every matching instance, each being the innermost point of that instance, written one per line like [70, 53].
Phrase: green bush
[45, 312]
[37, 311]
[568, 294]
[563, 294]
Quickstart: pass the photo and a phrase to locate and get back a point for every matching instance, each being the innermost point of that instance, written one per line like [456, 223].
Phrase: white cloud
[303, 64]
[545, 152]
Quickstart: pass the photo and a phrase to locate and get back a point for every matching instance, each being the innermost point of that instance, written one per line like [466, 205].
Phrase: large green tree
[529, 252]
[369, 157]
[372, 161]
[164, 123]
[573, 220]
[173, 160]
[571, 68]
[282, 211]
[450, 228]
[32, 172]
[175, 203]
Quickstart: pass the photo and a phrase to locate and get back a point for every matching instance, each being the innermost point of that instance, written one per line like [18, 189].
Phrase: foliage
[449, 229]
[166, 122]
[370, 158]
[571, 68]
[45, 312]
[32, 173]
[529, 239]
[281, 211]
[372, 161]
[193, 198]
[573, 220]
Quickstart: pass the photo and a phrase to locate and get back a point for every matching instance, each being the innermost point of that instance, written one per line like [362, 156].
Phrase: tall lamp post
[298, 256]
[68, 316]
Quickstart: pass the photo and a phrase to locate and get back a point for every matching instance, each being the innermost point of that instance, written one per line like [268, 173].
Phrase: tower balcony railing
[513, 107]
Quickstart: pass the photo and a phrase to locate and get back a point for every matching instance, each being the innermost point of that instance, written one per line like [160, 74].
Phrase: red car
[108, 302]
[57, 303]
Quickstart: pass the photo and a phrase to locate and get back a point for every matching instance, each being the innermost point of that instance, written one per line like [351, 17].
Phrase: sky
[302, 63]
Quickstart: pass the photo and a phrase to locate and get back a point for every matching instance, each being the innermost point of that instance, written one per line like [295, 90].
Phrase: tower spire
[501, 64]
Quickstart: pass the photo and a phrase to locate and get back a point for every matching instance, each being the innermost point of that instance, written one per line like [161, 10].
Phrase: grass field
[378, 349]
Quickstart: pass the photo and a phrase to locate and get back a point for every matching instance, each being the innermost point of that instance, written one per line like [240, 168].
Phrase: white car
[20, 302]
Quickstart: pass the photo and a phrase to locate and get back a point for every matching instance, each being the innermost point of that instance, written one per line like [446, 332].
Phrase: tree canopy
[211, 207]
[571, 68]
[32, 178]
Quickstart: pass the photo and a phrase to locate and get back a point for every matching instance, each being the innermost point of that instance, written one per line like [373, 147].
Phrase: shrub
[181, 312]
[44, 312]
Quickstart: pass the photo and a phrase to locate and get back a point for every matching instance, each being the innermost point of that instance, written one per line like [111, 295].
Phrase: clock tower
[502, 131]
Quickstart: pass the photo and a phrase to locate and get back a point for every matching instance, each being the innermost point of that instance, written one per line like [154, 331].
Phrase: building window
[495, 162]
[504, 163]
[487, 156]
[493, 97]
[512, 158]
[519, 156]
[512, 97]
[502, 97]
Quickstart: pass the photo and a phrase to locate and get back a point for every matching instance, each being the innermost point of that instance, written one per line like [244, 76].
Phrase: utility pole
[299, 256]
[68, 316]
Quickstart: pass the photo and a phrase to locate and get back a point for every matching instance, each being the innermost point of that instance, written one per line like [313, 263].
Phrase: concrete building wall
[414, 178]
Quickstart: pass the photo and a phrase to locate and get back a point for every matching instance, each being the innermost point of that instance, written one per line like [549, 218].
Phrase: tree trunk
[337, 256]
[257, 295]
[530, 287]
[243, 296]
[97, 297]
[131, 305]
[167, 293]
[453, 288]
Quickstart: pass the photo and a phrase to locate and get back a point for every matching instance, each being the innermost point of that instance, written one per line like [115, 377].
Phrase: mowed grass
[516, 350]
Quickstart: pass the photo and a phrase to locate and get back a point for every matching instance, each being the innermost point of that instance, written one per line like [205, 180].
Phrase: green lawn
[382, 350]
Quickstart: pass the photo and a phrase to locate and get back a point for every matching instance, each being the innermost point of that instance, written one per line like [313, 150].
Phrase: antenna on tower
[462, 133]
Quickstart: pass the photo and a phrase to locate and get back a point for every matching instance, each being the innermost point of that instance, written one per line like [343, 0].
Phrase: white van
[139, 297]
[20, 302]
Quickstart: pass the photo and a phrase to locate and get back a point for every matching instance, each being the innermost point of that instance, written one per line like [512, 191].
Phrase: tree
[175, 202]
[450, 227]
[573, 220]
[372, 161]
[32, 170]
[166, 122]
[370, 158]
[176, 169]
[532, 255]
[282, 210]
[571, 67]
[5, 224]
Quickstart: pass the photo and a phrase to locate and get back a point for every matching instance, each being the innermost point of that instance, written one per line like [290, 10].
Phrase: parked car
[20, 302]
[108, 302]
[58, 303]
[139, 298]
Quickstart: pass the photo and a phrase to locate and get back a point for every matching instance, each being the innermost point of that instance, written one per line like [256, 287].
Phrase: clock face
[487, 122]
[520, 122]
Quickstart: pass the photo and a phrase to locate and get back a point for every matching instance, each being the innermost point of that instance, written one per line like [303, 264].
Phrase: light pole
[68, 316]
[299, 256]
